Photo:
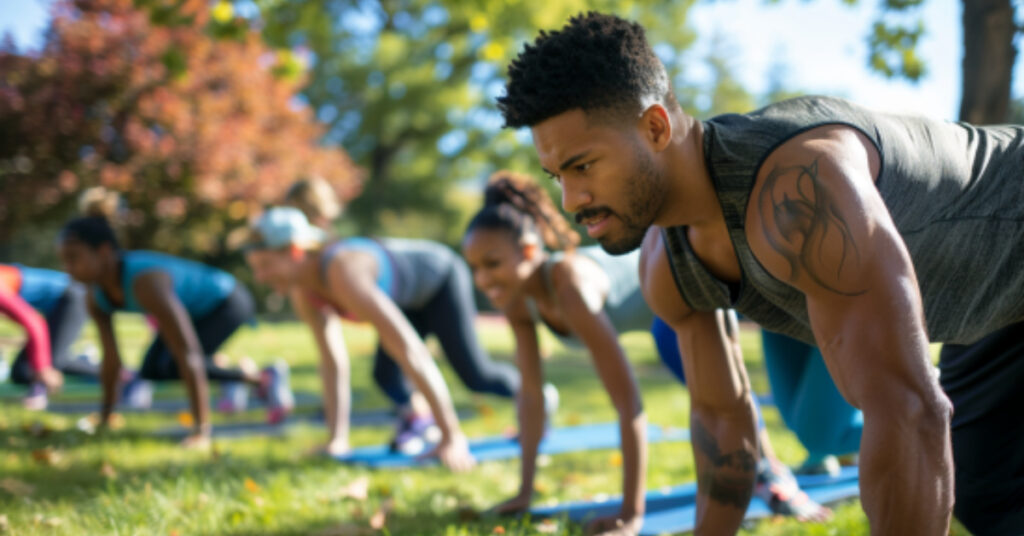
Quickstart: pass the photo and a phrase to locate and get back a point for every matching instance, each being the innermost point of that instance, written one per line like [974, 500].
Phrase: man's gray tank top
[955, 192]
[624, 305]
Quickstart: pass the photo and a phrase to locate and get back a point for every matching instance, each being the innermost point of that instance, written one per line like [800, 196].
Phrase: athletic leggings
[212, 330]
[984, 382]
[37, 346]
[65, 321]
[808, 399]
[450, 315]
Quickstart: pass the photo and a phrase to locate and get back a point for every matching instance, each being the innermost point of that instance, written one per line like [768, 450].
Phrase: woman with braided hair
[525, 259]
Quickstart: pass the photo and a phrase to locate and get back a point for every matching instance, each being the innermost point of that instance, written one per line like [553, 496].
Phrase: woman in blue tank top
[61, 303]
[195, 307]
[406, 289]
[585, 297]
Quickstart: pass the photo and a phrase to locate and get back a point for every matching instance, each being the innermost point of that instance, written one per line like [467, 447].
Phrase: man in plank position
[867, 234]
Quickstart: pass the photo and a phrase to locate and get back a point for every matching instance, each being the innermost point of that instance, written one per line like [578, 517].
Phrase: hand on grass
[52, 378]
[197, 441]
[453, 453]
[615, 526]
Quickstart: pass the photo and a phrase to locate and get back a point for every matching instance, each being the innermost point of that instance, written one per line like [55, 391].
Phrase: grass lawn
[57, 480]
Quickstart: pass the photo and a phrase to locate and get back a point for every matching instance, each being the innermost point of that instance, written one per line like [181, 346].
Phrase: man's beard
[645, 199]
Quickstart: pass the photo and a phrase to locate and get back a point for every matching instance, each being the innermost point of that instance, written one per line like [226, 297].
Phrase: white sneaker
[551, 400]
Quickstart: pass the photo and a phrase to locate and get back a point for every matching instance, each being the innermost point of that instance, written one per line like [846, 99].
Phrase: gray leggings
[449, 315]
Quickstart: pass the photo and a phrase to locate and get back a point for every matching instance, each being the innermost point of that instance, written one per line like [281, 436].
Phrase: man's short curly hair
[595, 62]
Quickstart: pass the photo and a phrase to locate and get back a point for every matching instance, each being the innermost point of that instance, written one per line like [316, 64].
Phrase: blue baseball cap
[280, 227]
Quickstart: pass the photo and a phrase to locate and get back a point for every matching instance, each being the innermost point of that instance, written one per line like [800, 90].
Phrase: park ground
[55, 479]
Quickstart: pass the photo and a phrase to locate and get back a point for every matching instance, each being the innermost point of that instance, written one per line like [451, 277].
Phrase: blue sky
[821, 43]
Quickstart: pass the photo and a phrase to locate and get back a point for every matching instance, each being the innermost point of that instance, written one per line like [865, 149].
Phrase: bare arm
[334, 369]
[587, 320]
[110, 366]
[723, 423]
[352, 286]
[529, 402]
[155, 294]
[818, 222]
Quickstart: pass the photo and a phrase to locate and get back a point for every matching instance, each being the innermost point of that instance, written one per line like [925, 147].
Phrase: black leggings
[449, 315]
[212, 330]
[984, 381]
[65, 322]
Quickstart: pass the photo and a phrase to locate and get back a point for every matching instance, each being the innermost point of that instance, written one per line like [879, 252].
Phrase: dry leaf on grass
[17, 487]
[252, 486]
[379, 518]
[615, 459]
[47, 456]
[108, 471]
[185, 419]
[498, 530]
[357, 490]
[548, 526]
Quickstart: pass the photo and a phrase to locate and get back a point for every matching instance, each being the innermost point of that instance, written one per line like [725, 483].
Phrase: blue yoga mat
[557, 441]
[674, 509]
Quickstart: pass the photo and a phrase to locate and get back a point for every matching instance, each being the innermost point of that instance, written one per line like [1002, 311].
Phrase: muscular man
[867, 234]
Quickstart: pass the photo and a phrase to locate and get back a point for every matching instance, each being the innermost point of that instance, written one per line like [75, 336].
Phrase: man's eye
[582, 168]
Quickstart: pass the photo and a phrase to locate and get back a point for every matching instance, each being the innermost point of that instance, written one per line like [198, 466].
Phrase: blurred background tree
[181, 109]
[408, 88]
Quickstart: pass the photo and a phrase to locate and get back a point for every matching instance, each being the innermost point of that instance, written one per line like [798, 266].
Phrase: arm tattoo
[805, 223]
[728, 478]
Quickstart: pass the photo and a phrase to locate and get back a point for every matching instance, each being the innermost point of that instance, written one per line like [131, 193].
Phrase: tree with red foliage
[184, 111]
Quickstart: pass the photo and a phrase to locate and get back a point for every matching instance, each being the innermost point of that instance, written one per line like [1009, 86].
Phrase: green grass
[128, 482]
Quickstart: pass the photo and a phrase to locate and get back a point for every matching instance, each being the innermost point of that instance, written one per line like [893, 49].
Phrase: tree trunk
[989, 55]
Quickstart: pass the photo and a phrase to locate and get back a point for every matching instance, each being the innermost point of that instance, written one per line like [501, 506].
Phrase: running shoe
[36, 399]
[778, 488]
[829, 465]
[414, 434]
[137, 393]
[5, 368]
[275, 385]
[551, 402]
[234, 397]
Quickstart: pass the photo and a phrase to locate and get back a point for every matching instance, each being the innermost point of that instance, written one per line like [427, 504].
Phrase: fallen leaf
[173, 533]
[252, 486]
[17, 487]
[185, 419]
[378, 519]
[108, 471]
[615, 459]
[573, 419]
[485, 410]
[357, 490]
[47, 456]
[548, 526]
[498, 530]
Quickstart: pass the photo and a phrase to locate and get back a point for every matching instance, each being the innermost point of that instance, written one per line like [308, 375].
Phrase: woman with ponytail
[196, 309]
[524, 257]
[407, 289]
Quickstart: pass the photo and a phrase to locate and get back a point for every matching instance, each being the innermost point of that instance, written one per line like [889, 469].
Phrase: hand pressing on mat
[615, 526]
[453, 452]
[197, 441]
[514, 506]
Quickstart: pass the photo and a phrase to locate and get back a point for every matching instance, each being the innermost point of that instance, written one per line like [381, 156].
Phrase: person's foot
[778, 488]
[137, 393]
[414, 433]
[274, 382]
[36, 399]
[829, 465]
[234, 397]
[5, 369]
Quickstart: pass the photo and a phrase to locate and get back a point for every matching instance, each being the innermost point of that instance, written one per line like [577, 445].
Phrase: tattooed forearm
[727, 478]
[804, 224]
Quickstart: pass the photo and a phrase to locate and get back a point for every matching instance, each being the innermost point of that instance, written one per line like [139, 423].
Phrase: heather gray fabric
[421, 268]
[624, 305]
[955, 192]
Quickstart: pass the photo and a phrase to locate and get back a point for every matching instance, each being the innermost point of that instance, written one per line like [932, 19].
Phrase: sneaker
[234, 397]
[137, 393]
[778, 488]
[5, 368]
[36, 399]
[829, 465]
[414, 434]
[275, 385]
[551, 401]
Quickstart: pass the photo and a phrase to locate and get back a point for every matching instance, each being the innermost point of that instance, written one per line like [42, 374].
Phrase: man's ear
[656, 125]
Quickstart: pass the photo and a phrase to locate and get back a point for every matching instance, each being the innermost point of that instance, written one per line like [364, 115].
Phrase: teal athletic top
[200, 288]
[624, 305]
[42, 288]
